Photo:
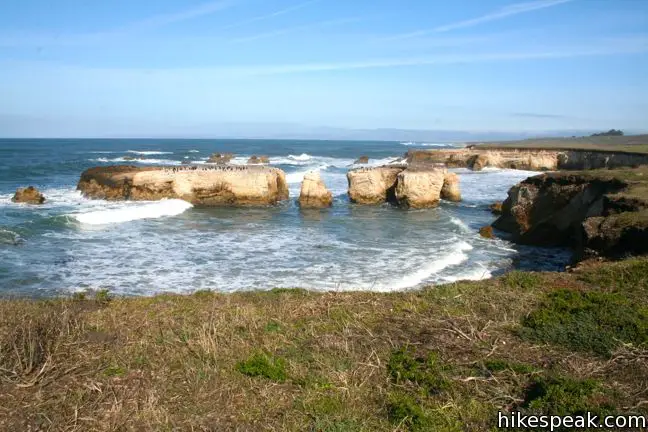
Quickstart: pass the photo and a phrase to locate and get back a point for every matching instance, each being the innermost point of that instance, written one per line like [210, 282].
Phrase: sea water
[139, 248]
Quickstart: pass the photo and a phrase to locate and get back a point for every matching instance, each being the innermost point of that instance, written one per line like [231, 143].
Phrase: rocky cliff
[416, 186]
[597, 212]
[208, 186]
[528, 158]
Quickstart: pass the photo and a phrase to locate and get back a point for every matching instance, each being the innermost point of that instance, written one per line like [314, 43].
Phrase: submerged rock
[28, 195]
[203, 186]
[420, 188]
[450, 190]
[486, 232]
[314, 193]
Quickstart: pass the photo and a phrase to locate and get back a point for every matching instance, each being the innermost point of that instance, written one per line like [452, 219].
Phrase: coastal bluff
[531, 159]
[598, 213]
[201, 186]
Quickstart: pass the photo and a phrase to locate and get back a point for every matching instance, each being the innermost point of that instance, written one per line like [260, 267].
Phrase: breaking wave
[171, 207]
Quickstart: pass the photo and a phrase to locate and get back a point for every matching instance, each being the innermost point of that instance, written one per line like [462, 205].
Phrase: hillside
[444, 358]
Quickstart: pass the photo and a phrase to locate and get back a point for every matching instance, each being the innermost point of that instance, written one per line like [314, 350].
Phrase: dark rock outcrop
[597, 214]
[28, 195]
[486, 232]
[218, 158]
[362, 160]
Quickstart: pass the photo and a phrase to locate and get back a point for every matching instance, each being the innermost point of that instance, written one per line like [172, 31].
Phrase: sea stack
[450, 190]
[420, 187]
[314, 193]
[373, 185]
[201, 186]
[28, 195]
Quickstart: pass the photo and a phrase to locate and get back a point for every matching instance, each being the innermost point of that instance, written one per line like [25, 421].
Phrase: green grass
[444, 358]
[263, 365]
[595, 322]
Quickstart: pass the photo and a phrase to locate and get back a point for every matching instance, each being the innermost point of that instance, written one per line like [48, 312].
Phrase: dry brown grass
[170, 362]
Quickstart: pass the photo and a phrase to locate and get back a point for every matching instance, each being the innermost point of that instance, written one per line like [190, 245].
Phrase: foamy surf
[455, 257]
[164, 208]
[138, 161]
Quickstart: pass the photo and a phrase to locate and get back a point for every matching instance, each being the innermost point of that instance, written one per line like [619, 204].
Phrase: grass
[630, 143]
[444, 358]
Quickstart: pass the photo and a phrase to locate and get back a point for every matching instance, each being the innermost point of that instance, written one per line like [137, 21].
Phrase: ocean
[72, 244]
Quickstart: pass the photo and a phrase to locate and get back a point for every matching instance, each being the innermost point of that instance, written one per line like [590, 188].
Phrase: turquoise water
[65, 246]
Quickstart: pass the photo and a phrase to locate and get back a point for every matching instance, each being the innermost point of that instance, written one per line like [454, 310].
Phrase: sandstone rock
[486, 232]
[373, 185]
[478, 162]
[548, 209]
[420, 188]
[28, 195]
[362, 160]
[218, 158]
[255, 160]
[496, 208]
[202, 186]
[450, 190]
[314, 193]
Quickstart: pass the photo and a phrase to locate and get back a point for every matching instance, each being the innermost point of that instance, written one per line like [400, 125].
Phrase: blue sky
[119, 67]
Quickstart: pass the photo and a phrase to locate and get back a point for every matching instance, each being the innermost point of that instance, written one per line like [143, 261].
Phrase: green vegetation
[611, 132]
[555, 395]
[444, 358]
[263, 365]
[587, 321]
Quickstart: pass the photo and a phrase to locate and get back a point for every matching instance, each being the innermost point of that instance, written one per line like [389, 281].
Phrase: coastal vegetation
[443, 358]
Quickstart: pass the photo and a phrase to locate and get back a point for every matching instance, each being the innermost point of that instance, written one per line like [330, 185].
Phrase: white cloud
[271, 15]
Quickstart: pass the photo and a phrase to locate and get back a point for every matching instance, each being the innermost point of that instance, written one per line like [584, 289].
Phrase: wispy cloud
[316, 25]
[504, 12]
[271, 15]
[155, 21]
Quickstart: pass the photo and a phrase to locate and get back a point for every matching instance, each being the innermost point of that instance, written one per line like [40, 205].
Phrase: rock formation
[450, 190]
[496, 208]
[221, 159]
[28, 195]
[373, 185]
[362, 160]
[420, 188]
[486, 232]
[597, 214]
[256, 160]
[533, 159]
[202, 186]
[417, 186]
[314, 193]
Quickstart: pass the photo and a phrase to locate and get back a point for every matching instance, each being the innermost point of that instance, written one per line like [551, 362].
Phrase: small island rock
[28, 195]
[314, 193]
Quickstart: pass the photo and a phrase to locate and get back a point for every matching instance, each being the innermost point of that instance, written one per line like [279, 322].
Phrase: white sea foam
[194, 151]
[301, 157]
[415, 144]
[171, 207]
[455, 256]
[476, 273]
[461, 224]
[148, 153]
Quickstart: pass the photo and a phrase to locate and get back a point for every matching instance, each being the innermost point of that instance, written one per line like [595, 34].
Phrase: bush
[262, 365]
[587, 321]
[403, 409]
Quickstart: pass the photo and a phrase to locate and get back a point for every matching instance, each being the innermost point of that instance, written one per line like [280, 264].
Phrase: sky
[74, 68]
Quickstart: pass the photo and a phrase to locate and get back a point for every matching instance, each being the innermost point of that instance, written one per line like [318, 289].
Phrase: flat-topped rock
[202, 186]
[451, 190]
[373, 185]
[420, 188]
[314, 193]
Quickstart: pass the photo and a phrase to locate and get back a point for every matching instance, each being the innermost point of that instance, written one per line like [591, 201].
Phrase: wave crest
[170, 207]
